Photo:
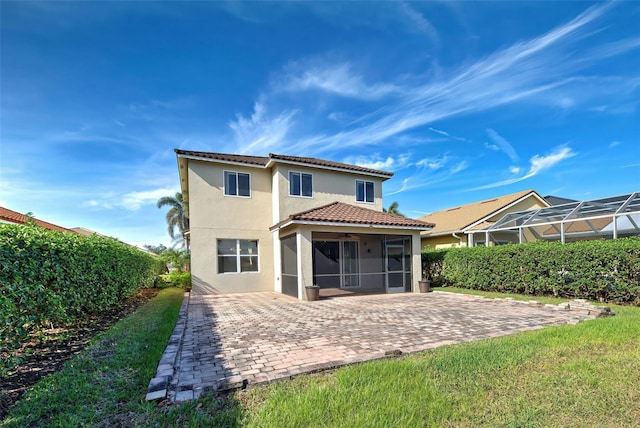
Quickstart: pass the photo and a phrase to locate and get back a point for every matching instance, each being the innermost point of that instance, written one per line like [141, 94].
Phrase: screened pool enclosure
[606, 218]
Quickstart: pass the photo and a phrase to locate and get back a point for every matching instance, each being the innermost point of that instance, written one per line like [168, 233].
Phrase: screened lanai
[612, 217]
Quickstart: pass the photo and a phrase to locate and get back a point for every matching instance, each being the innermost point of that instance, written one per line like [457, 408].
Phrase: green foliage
[103, 385]
[432, 265]
[177, 279]
[53, 277]
[604, 270]
[178, 260]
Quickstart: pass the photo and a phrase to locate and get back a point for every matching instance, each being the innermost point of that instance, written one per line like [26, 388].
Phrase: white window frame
[224, 184]
[301, 192]
[373, 185]
[238, 256]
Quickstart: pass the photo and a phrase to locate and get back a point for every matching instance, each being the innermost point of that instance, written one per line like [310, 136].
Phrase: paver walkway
[231, 340]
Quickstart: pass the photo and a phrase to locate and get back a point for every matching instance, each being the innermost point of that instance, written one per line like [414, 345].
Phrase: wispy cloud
[439, 131]
[131, 201]
[614, 144]
[503, 145]
[260, 133]
[378, 162]
[430, 171]
[537, 164]
[524, 70]
[338, 80]
[419, 23]
[432, 163]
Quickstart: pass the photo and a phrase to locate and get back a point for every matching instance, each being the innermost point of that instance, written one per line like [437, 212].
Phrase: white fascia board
[430, 235]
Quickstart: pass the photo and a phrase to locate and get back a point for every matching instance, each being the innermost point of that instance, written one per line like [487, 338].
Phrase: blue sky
[462, 100]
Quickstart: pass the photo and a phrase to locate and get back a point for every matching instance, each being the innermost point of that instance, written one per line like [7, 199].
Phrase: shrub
[432, 265]
[177, 279]
[604, 270]
[53, 277]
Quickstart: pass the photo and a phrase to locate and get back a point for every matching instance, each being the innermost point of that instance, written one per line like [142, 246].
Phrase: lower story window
[237, 255]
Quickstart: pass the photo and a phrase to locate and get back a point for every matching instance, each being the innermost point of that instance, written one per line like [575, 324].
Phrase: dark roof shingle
[339, 212]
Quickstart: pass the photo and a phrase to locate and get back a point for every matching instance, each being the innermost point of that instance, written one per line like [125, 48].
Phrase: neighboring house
[14, 217]
[558, 200]
[463, 226]
[280, 223]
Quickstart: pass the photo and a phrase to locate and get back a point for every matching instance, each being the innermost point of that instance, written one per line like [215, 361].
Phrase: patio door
[336, 264]
[350, 264]
[397, 267]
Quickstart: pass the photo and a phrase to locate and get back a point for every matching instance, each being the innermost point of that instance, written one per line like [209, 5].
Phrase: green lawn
[582, 375]
[494, 295]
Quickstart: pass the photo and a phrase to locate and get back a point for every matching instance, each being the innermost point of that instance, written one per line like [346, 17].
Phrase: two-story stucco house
[280, 223]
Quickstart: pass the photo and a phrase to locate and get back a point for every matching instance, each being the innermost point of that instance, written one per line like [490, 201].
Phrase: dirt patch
[58, 345]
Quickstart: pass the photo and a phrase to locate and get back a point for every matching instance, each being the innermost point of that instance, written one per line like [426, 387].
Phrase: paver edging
[160, 384]
[576, 305]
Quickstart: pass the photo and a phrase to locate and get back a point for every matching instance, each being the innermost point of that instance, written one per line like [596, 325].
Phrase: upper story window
[300, 184]
[364, 191]
[237, 184]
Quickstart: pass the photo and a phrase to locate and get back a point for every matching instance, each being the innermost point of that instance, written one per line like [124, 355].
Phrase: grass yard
[582, 375]
[106, 383]
[492, 295]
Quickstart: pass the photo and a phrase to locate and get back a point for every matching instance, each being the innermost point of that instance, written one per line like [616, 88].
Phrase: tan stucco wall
[328, 187]
[446, 241]
[215, 216]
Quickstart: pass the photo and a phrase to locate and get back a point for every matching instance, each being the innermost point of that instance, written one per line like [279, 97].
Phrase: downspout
[457, 237]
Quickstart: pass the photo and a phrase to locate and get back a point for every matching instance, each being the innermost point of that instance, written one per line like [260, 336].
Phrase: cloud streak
[526, 70]
[503, 145]
[537, 164]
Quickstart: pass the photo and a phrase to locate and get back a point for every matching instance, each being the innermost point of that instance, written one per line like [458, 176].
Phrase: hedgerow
[49, 277]
[603, 270]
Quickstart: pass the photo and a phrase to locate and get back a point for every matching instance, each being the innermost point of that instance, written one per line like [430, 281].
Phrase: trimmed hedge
[52, 277]
[603, 270]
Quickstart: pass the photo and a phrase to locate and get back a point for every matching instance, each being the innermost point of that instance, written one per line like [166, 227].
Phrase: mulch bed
[48, 355]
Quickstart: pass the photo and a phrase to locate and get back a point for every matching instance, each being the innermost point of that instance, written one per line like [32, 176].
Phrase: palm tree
[393, 209]
[177, 217]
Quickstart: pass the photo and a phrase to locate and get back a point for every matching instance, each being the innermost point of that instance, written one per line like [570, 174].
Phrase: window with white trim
[237, 184]
[364, 191]
[300, 184]
[237, 255]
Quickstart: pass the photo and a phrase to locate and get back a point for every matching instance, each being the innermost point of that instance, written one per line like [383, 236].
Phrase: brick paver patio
[226, 341]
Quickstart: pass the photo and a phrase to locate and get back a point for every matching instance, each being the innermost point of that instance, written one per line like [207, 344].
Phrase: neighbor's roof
[265, 161]
[341, 214]
[11, 216]
[457, 219]
[558, 200]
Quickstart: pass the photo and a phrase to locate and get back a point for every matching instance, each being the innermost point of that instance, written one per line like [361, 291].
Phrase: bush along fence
[49, 277]
[603, 270]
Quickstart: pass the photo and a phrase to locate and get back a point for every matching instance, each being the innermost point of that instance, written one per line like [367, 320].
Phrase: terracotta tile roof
[457, 219]
[330, 164]
[264, 161]
[341, 213]
[249, 160]
[18, 218]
